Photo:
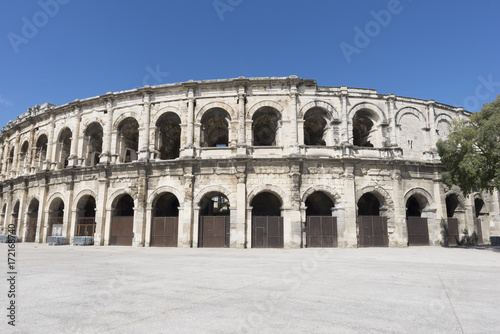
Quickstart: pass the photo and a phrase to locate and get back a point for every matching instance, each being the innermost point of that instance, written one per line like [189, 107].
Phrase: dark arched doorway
[267, 223]
[214, 221]
[122, 222]
[417, 227]
[452, 204]
[321, 227]
[86, 224]
[56, 217]
[165, 221]
[372, 227]
[32, 220]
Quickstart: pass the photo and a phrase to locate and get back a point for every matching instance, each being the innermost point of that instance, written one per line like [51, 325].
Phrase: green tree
[471, 153]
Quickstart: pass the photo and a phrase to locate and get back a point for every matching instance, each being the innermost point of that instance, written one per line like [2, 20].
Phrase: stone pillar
[106, 144]
[140, 209]
[42, 217]
[16, 156]
[470, 214]
[52, 142]
[68, 229]
[294, 225]
[29, 153]
[189, 149]
[431, 116]
[294, 145]
[248, 234]
[147, 234]
[196, 224]
[494, 227]
[436, 228]
[101, 213]
[238, 229]
[350, 231]
[344, 116]
[73, 155]
[144, 136]
[190, 228]
[2, 159]
[400, 230]
[241, 121]
[391, 112]
[338, 211]
[74, 218]
[249, 132]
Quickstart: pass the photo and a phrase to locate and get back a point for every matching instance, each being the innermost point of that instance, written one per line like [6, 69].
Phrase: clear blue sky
[442, 50]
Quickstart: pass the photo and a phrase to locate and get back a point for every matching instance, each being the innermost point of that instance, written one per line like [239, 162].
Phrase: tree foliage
[471, 153]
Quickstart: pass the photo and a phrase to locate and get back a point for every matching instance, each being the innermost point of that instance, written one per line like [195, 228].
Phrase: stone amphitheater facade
[246, 162]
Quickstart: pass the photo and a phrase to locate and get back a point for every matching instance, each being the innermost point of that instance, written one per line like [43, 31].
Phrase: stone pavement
[72, 289]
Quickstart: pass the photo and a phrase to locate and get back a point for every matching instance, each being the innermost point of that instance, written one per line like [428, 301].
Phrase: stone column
[344, 116]
[241, 121]
[189, 149]
[2, 159]
[42, 217]
[68, 230]
[294, 145]
[147, 234]
[391, 112]
[494, 227]
[350, 231]
[196, 224]
[431, 116]
[101, 214]
[190, 223]
[238, 229]
[400, 232]
[144, 137]
[29, 153]
[16, 155]
[52, 142]
[338, 211]
[248, 234]
[140, 209]
[470, 214]
[436, 228]
[73, 155]
[295, 221]
[106, 149]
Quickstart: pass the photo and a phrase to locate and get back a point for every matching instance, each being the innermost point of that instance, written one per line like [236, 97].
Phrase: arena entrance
[32, 221]
[372, 227]
[214, 221]
[321, 227]
[452, 204]
[267, 223]
[417, 226]
[165, 221]
[85, 226]
[122, 222]
[56, 217]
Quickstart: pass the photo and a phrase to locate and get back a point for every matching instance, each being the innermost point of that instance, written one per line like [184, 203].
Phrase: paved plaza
[72, 289]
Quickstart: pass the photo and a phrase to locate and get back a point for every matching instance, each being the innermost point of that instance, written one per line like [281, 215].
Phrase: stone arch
[125, 115]
[421, 192]
[88, 121]
[215, 189]
[330, 192]
[39, 134]
[262, 104]
[375, 110]
[411, 110]
[214, 105]
[168, 109]
[116, 195]
[330, 110]
[60, 132]
[54, 196]
[80, 195]
[162, 190]
[443, 125]
[278, 192]
[380, 193]
[460, 199]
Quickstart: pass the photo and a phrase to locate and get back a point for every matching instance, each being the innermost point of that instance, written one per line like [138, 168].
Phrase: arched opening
[23, 156]
[128, 140]
[86, 224]
[363, 131]
[165, 221]
[10, 160]
[452, 204]
[122, 222]
[215, 128]
[479, 207]
[417, 226]
[168, 137]
[372, 228]
[267, 223]
[321, 227]
[32, 216]
[64, 148]
[265, 126]
[41, 151]
[56, 218]
[315, 123]
[93, 143]
[12, 229]
[214, 221]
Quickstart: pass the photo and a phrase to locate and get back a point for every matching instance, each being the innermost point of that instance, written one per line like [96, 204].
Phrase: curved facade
[247, 162]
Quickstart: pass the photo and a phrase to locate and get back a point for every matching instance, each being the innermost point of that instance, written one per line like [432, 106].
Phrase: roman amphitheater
[246, 162]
